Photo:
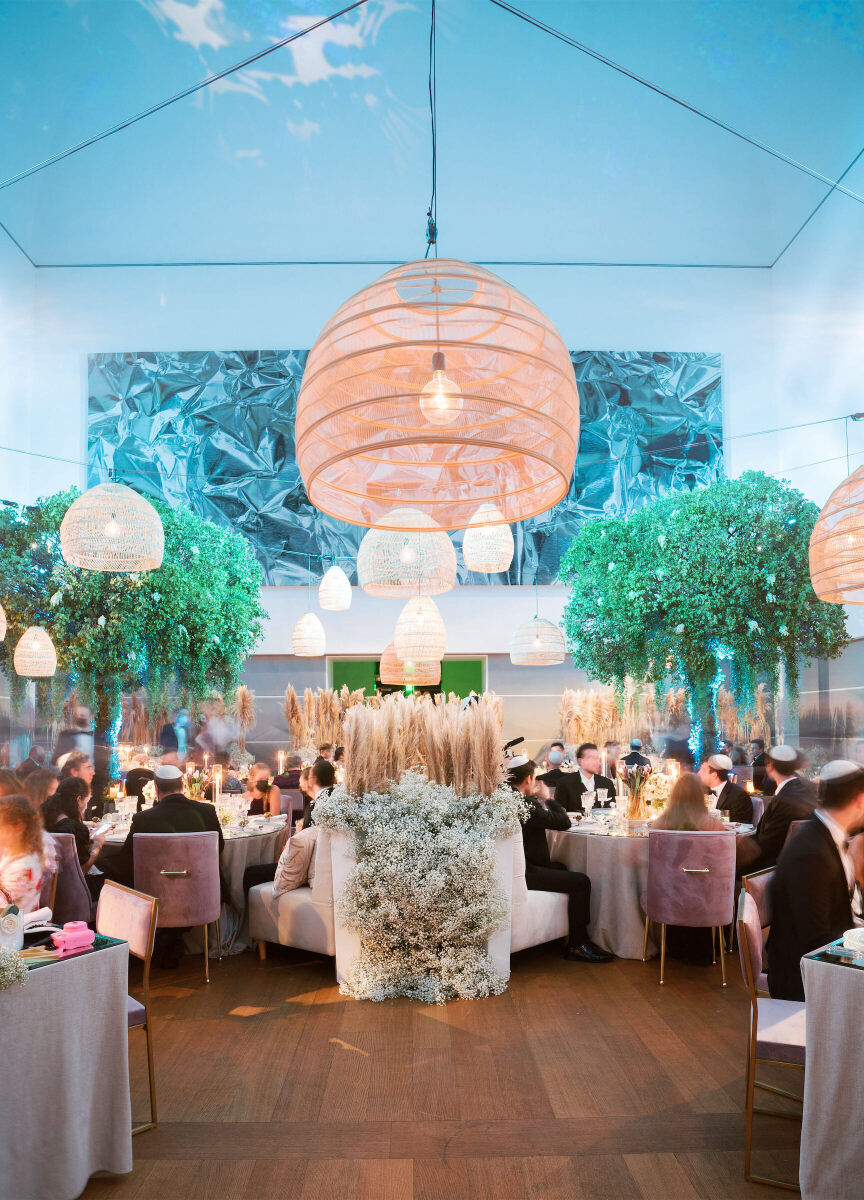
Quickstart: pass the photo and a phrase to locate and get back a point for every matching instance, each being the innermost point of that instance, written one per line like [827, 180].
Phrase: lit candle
[206, 760]
[604, 765]
[281, 757]
[749, 786]
[190, 767]
[217, 784]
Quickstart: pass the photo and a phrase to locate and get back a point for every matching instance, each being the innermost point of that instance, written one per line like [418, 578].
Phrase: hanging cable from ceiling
[432, 212]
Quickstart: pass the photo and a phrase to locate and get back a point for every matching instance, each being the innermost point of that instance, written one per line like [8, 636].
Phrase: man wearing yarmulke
[794, 799]
[815, 896]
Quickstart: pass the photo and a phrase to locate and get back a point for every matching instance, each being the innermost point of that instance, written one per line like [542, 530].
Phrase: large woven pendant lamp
[488, 542]
[396, 673]
[112, 528]
[3, 625]
[308, 639]
[441, 387]
[334, 590]
[420, 635]
[411, 557]
[537, 643]
[837, 544]
[35, 655]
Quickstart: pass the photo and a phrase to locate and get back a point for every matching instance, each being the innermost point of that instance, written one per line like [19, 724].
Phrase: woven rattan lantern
[396, 673]
[334, 590]
[414, 558]
[837, 544]
[537, 643]
[441, 387]
[488, 542]
[308, 639]
[112, 528]
[2, 624]
[420, 635]
[35, 655]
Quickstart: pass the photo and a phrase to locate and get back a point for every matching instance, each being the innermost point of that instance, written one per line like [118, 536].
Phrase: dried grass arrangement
[318, 718]
[457, 747]
[243, 712]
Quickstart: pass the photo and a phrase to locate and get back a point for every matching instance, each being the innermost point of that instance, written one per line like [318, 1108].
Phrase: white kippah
[783, 754]
[840, 768]
[518, 760]
[168, 773]
[721, 762]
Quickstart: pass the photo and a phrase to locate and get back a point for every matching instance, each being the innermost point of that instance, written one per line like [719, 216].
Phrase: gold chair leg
[662, 951]
[722, 941]
[262, 951]
[748, 1135]
[731, 945]
[206, 958]
[644, 942]
[713, 946]
[219, 937]
[151, 1124]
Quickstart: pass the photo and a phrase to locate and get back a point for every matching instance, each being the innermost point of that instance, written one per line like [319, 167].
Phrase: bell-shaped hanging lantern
[488, 542]
[308, 639]
[837, 544]
[334, 590]
[420, 635]
[112, 528]
[396, 673]
[35, 656]
[3, 625]
[537, 643]
[412, 556]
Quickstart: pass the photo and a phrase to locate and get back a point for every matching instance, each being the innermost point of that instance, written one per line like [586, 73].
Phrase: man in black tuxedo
[814, 894]
[794, 799]
[543, 875]
[759, 763]
[636, 758]
[714, 773]
[554, 761]
[171, 813]
[571, 788]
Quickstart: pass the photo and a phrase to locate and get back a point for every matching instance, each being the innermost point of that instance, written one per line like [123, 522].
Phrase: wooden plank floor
[577, 1082]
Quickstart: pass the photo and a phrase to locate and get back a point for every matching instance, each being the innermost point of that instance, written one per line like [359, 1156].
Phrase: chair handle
[697, 870]
[174, 874]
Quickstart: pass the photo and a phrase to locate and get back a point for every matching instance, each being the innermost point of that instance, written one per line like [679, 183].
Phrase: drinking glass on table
[602, 794]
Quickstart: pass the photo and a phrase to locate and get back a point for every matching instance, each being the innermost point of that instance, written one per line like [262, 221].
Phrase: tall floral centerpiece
[423, 803]
[696, 579]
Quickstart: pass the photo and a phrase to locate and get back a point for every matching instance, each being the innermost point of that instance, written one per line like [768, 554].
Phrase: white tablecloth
[618, 870]
[64, 1064]
[831, 1137]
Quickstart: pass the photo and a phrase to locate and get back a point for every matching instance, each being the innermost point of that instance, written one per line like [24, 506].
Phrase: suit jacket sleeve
[553, 816]
[813, 900]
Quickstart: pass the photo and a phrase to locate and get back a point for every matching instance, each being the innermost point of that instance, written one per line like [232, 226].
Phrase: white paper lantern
[537, 643]
[488, 542]
[308, 639]
[35, 655]
[2, 624]
[412, 556]
[112, 528]
[334, 590]
[396, 673]
[420, 634]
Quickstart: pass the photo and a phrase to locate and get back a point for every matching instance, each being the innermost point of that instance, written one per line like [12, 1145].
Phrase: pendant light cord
[432, 211]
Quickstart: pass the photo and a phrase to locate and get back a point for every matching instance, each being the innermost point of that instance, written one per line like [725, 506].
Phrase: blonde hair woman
[686, 809]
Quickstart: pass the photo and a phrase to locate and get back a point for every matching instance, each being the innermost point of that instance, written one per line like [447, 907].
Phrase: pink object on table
[74, 936]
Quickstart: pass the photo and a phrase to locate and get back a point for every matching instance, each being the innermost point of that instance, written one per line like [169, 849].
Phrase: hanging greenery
[191, 623]
[719, 573]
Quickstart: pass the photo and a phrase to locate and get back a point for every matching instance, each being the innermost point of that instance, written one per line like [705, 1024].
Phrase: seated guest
[636, 758]
[738, 755]
[814, 895]
[136, 779]
[575, 788]
[326, 751]
[543, 875]
[714, 773]
[34, 760]
[63, 812]
[612, 751]
[38, 786]
[21, 854]
[173, 812]
[263, 796]
[339, 756]
[552, 763]
[78, 765]
[794, 799]
[685, 809]
[322, 777]
[759, 762]
[290, 777]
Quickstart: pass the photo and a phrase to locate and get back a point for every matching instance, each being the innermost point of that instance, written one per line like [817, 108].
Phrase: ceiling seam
[16, 243]
[808, 219]
[396, 262]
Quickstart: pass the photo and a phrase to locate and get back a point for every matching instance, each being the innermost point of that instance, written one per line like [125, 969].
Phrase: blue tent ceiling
[321, 150]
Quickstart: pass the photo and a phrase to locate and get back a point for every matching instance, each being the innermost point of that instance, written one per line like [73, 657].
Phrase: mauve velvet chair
[777, 1030]
[794, 826]
[72, 899]
[691, 881]
[131, 916]
[182, 871]
[758, 808]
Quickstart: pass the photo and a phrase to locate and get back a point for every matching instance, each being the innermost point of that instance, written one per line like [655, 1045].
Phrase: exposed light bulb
[440, 398]
[35, 645]
[111, 529]
[407, 554]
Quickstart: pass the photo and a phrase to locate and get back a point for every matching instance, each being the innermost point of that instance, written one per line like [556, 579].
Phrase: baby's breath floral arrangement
[657, 790]
[423, 897]
[13, 969]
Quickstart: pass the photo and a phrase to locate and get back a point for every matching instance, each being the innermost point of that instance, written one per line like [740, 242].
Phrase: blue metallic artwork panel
[215, 430]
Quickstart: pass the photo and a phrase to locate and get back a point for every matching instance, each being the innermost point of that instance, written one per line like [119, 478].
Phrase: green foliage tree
[190, 624]
[700, 576]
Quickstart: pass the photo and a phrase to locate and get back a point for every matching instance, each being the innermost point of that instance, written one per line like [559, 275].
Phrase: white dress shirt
[782, 784]
[838, 833]
[588, 781]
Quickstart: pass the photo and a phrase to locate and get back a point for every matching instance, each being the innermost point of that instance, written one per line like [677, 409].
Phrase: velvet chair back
[794, 826]
[292, 801]
[758, 809]
[72, 901]
[758, 885]
[749, 946]
[128, 915]
[182, 871]
[691, 877]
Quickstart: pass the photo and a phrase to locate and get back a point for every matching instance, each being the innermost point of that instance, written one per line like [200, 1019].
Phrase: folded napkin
[37, 917]
[853, 939]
